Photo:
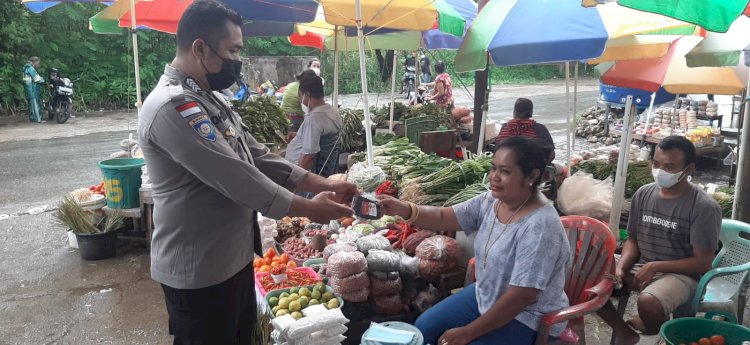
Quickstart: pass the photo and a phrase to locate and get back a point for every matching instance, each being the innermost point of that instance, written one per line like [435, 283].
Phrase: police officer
[210, 178]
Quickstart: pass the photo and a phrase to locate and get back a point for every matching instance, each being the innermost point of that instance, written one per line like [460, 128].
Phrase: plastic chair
[724, 287]
[588, 281]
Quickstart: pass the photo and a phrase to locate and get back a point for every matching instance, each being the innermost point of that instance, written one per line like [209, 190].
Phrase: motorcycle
[60, 104]
[410, 77]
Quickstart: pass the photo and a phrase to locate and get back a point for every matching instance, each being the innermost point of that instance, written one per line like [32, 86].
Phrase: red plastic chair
[589, 282]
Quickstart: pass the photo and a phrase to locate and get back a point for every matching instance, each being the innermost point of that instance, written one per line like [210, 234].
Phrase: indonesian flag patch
[190, 108]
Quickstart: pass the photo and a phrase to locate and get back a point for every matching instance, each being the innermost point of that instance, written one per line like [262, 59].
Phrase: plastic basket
[277, 293]
[691, 329]
[417, 125]
[258, 276]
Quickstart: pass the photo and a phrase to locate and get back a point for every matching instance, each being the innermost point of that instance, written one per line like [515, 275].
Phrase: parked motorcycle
[60, 103]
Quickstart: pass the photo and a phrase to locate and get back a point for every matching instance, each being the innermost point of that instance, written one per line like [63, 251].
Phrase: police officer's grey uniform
[209, 178]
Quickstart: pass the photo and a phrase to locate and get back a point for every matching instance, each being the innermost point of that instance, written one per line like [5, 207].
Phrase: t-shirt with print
[322, 120]
[668, 229]
[531, 252]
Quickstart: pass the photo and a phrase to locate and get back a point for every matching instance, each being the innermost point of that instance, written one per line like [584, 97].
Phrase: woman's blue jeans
[461, 309]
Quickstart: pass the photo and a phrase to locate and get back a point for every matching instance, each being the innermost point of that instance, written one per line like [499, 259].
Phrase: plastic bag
[438, 248]
[380, 287]
[364, 244]
[387, 304]
[385, 275]
[357, 296]
[308, 325]
[344, 264]
[350, 284]
[338, 247]
[430, 270]
[583, 195]
[408, 265]
[426, 299]
[411, 243]
[381, 260]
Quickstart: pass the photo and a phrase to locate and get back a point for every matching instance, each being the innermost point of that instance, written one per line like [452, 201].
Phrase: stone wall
[282, 69]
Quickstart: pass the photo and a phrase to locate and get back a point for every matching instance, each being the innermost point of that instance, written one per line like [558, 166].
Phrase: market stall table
[714, 152]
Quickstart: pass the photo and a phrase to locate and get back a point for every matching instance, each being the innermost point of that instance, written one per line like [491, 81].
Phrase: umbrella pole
[363, 77]
[740, 210]
[648, 117]
[393, 89]
[134, 32]
[623, 159]
[572, 129]
[567, 105]
[335, 100]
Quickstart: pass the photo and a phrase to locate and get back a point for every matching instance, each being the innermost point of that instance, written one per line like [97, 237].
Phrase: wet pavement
[48, 295]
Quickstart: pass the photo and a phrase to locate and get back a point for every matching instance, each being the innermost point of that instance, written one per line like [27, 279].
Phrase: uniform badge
[193, 85]
[230, 132]
[202, 125]
[189, 108]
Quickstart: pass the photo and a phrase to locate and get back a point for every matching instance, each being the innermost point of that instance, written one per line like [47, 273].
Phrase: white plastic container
[72, 241]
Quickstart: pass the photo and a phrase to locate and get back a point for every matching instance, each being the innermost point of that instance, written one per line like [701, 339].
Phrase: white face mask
[665, 179]
[316, 70]
[305, 109]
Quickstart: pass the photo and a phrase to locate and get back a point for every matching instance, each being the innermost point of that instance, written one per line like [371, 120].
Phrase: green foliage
[61, 38]
[639, 173]
[265, 119]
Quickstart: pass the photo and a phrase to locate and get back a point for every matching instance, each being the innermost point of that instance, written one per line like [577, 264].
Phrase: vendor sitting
[522, 124]
[316, 146]
[521, 248]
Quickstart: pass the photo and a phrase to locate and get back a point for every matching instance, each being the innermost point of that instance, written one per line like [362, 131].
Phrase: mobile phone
[365, 207]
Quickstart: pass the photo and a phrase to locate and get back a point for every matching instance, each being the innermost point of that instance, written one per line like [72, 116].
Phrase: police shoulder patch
[202, 125]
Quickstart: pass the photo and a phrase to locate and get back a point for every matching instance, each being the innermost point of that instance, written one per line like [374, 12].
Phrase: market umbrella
[672, 72]
[722, 49]
[712, 15]
[635, 47]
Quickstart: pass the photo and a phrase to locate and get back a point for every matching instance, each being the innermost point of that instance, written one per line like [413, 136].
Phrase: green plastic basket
[691, 329]
[415, 127]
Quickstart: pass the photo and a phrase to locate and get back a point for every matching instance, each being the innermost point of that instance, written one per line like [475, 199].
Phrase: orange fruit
[704, 341]
[267, 261]
[718, 340]
[694, 343]
[291, 264]
[270, 253]
[258, 262]
[284, 258]
[265, 268]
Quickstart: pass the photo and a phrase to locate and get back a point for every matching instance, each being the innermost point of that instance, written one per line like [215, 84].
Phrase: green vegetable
[440, 186]
[363, 229]
[724, 196]
[383, 138]
[265, 120]
[639, 173]
[368, 179]
[468, 193]
[388, 219]
[352, 130]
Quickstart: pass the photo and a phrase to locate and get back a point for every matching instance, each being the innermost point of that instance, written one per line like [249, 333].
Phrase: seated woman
[521, 252]
[523, 125]
[443, 93]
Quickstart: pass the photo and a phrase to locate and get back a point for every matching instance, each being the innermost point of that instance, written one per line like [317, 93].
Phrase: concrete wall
[282, 69]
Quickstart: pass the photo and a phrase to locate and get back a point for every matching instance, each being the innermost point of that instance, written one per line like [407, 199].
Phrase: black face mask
[228, 75]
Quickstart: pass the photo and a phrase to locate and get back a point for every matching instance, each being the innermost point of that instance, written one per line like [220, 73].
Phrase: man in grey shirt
[316, 146]
[673, 234]
[210, 178]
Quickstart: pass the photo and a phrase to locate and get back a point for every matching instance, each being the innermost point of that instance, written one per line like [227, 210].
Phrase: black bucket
[97, 246]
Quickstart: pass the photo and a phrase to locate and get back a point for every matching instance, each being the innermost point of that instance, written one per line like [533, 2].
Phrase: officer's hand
[325, 208]
[345, 191]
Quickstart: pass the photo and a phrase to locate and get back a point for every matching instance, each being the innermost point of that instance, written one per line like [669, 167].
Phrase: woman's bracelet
[414, 213]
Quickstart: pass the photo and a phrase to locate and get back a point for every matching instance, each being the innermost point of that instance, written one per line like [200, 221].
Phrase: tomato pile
[295, 278]
[97, 189]
[713, 340]
[271, 260]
